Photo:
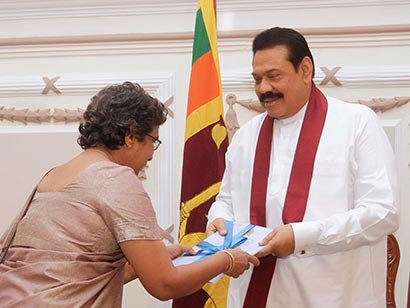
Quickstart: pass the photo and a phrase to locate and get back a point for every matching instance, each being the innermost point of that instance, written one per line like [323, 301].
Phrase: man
[320, 173]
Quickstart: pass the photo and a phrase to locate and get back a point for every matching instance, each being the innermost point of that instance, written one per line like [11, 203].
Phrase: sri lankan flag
[205, 146]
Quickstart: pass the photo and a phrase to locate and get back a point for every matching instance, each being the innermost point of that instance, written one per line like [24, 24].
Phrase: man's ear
[306, 67]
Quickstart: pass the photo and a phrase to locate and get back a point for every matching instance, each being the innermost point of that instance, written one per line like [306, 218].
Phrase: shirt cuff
[306, 236]
[219, 210]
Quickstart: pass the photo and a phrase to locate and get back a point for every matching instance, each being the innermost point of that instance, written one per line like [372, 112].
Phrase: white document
[251, 245]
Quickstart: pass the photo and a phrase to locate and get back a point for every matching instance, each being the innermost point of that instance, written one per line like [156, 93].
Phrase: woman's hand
[239, 262]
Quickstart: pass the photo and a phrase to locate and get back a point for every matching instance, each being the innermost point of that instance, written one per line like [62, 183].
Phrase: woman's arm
[174, 251]
[154, 267]
[129, 273]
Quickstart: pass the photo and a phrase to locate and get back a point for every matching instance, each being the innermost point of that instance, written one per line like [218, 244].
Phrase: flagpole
[216, 24]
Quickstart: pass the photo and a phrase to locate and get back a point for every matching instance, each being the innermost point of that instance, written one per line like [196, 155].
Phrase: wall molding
[377, 104]
[176, 42]
[176, 36]
[393, 76]
[82, 84]
[43, 9]
[40, 116]
[51, 116]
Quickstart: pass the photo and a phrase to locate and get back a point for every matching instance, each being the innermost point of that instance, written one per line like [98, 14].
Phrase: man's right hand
[218, 225]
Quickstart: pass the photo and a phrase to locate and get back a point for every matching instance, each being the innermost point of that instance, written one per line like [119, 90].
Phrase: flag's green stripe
[201, 40]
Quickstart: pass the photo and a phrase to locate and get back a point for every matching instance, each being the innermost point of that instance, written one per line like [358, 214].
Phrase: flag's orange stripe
[204, 85]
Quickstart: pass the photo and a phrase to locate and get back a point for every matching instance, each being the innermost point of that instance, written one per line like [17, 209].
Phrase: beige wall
[89, 44]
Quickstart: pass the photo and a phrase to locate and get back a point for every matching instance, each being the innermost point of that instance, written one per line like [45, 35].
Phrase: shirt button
[302, 252]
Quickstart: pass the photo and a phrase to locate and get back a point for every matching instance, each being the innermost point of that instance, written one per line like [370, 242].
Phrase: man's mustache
[270, 95]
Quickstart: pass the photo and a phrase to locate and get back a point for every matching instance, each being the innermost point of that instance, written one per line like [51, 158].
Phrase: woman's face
[139, 153]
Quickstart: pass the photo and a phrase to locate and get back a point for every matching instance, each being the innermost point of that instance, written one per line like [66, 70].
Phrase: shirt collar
[297, 116]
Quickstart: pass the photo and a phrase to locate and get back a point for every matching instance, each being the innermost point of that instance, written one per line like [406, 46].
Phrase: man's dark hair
[119, 110]
[294, 42]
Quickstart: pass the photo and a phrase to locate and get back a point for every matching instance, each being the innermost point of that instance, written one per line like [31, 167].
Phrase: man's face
[280, 88]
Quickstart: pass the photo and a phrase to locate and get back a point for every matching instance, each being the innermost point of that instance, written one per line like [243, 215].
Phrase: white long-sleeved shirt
[340, 247]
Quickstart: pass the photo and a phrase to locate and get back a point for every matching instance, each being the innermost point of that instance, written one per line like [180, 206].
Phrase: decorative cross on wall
[50, 85]
[330, 75]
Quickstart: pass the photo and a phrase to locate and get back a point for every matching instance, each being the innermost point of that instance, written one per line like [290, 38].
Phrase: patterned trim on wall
[39, 116]
[232, 124]
[377, 104]
[393, 76]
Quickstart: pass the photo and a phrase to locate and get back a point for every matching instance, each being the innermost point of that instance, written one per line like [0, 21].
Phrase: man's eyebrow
[268, 71]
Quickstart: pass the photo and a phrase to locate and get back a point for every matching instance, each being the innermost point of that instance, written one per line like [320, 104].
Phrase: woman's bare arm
[174, 251]
[154, 267]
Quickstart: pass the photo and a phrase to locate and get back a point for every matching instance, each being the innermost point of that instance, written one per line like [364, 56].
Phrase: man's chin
[273, 110]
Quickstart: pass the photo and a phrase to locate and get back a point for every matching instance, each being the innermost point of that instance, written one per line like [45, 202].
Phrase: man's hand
[218, 225]
[176, 250]
[280, 242]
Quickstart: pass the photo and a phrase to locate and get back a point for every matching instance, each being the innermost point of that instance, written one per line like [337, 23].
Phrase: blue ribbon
[230, 241]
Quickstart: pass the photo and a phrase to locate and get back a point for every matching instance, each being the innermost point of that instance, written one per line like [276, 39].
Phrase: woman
[92, 214]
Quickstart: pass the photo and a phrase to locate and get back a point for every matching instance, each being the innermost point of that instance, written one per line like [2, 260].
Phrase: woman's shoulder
[107, 174]
[104, 171]
[108, 168]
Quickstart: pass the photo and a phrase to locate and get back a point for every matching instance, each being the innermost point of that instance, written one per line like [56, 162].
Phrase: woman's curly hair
[119, 110]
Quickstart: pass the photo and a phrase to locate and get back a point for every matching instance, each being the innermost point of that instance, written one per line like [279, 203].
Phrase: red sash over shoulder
[298, 187]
